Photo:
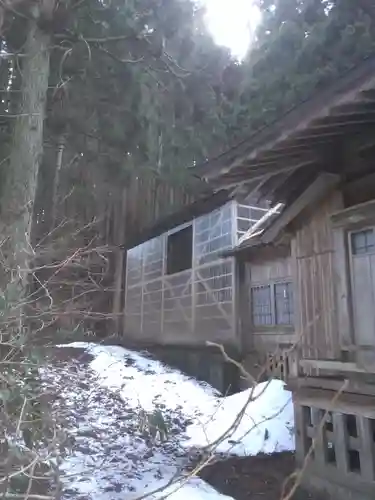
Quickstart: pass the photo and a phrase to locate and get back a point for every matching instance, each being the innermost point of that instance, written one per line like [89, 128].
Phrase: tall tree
[134, 86]
[128, 87]
[26, 148]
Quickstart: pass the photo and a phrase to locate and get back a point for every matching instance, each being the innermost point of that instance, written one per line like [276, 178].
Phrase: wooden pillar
[300, 433]
[341, 442]
[367, 451]
[319, 437]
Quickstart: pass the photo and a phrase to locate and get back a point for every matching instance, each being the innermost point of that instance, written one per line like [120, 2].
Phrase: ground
[253, 478]
[101, 393]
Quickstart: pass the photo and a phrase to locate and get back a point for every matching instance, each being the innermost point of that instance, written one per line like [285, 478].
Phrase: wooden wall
[149, 198]
[310, 267]
[264, 347]
[263, 271]
[313, 261]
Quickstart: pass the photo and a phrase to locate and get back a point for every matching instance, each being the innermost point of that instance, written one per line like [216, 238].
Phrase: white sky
[232, 23]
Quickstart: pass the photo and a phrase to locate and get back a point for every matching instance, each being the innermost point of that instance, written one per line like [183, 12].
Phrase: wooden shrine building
[306, 277]
[181, 291]
[296, 286]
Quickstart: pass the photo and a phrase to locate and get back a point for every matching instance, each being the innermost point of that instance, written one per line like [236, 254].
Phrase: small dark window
[351, 425]
[363, 242]
[354, 461]
[180, 251]
[261, 305]
[328, 421]
[307, 416]
[330, 453]
[284, 303]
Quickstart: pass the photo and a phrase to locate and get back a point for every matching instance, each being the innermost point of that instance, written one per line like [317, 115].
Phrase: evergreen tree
[301, 46]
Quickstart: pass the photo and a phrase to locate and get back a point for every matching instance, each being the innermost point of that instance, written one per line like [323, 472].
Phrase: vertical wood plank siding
[313, 254]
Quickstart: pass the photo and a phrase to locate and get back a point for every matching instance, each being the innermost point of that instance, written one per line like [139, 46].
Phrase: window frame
[351, 233]
[351, 257]
[272, 285]
[172, 234]
[253, 315]
[288, 284]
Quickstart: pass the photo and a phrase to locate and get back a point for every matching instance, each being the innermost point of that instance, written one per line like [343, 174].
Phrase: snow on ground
[266, 425]
[101, 400]
[146, 382]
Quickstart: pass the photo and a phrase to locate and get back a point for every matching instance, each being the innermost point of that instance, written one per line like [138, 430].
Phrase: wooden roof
[288, 155]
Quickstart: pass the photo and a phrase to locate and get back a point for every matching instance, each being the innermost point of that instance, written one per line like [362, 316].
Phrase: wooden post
[319, 437]
[342, 288]
[300, 426]
[367, 451]
[341, 442]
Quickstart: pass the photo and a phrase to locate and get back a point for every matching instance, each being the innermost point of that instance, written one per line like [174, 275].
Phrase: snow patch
[148, 383]
[265, 427]
[112, 460]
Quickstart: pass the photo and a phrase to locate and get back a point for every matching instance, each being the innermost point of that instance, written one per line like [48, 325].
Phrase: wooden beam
[330, 384]
[308, 136]
[317, 190]
[229, 181]
[251, 188]
[297, 152]
[286, 158]
[355, 404]
[352, 216]
[312, 140]
[304, 144]
[354, 107]
[273, 183]
[332, 124]
[356, 117]
[294, 184]
[333, 366]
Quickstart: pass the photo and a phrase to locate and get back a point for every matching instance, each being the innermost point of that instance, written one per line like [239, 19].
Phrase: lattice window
[272, 304]
[134, 266]
[214, 284]
[363, 242]
[213, 234]
[284, 304]
[153, 254]
[261, 303]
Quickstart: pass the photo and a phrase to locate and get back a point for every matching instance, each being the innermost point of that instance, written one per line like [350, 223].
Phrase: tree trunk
[26, 153]
[120, 228]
